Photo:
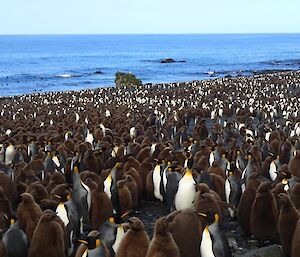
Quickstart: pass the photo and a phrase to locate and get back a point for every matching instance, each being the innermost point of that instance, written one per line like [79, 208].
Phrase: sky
[148, 16]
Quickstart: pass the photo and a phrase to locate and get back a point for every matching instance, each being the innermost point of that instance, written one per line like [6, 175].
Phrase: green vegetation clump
[127, 81]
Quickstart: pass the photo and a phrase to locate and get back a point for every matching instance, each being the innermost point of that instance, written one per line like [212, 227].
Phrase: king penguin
[214, 242]
[186, 191]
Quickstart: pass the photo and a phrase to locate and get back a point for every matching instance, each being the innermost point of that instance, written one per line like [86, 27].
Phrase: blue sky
[151, 16]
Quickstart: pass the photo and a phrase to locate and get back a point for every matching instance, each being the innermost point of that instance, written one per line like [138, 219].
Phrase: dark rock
[168, 60]
[98, 72]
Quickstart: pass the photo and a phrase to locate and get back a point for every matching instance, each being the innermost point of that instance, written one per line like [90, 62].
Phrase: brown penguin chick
[135, 242]
[203, 188]
[132, 163]
[144, 170]
[138, 179]
[132, 186]
[162, 243]
[264, 214]
[90, 161]
[9, 187]
[28, 214]
[279, 189]
[88, 174]
[58, 178]
[149, 187]
[207, 202]
[101, 207]
[125, 197]
[296, 241]
[287, 222]
[295, 194]
[244, 209]
[38, 191]
[143, 154]
[48, 239]
[215, 169]
[186, 228]
[5, 204]
[295, 165]
[256, 153]
[218, 185]
[3, 252]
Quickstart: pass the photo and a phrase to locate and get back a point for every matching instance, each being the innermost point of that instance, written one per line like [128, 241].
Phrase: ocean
[30, 64]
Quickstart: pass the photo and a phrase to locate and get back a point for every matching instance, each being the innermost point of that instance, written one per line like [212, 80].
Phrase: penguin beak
[83, 241]
[202, 214]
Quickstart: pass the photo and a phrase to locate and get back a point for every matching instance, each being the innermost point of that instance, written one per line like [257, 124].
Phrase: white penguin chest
[206, 246]
[62, 213]
[272, 171]
[119, 237]
[156, 183]
[186, 193]
[107, 185]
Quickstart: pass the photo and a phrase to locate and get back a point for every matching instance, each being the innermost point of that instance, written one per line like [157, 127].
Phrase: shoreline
[146, 85]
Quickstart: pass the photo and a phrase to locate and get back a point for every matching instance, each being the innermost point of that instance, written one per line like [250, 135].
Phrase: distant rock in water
[98, 72]
[169, 60]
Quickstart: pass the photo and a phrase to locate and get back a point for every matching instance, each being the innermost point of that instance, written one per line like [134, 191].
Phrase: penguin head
[264, 187]
[162, 224]
[285, 200]
[27, 198]
[136, 224]
[93, 240]
[47, 216]
[209, 217]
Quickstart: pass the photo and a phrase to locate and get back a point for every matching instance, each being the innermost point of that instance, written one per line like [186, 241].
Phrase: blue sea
[72, 62]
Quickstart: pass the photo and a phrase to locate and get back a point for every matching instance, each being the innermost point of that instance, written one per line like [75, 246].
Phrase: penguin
[15, 241]
[287, 222]
[111, 189]
[48, 239]
[250, 168]
[233, 190]
[136, 241]
[240, 161]
[295, 194]
[90, 161]
[9, 154]
[162, 243]
[94, 246]
[264, 209]
[273, 170]
[3, 251]
[295, 165]
[112, 234]
[244, 209]
[186, 191]
[28, 214]
[32, 150]
[69, 215]
[101, 208]
[81, 195]
[214, 242]
[296, 241]
[157, 181]
[172, 178]
[125, 199]
[186, 224]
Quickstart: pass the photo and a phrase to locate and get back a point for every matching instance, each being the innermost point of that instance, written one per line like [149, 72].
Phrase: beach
[141, 126]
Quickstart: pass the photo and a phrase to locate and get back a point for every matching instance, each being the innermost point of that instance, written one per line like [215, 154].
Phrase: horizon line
[146, 34]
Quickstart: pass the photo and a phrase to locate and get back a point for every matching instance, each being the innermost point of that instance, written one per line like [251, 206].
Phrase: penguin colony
[75, 166]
